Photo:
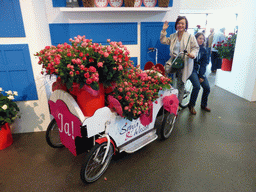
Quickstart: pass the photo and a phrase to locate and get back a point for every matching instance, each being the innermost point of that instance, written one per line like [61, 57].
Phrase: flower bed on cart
[105, 73]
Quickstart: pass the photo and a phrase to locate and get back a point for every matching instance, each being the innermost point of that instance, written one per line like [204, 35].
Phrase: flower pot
[89, 103]
[226, 64]
[5, 136]
[59, 85]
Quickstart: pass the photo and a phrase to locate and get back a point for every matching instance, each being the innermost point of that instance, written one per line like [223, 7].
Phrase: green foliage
[8, 108]
[226, 48]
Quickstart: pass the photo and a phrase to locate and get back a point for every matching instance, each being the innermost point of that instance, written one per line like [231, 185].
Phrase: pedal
[140, 142]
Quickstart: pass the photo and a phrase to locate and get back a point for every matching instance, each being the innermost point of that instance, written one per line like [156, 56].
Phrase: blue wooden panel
[11, 19]
[150, 37]
[16, 71]
[98, 32]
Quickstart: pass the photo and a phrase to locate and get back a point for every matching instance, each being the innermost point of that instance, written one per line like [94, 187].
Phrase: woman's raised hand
[165, 26]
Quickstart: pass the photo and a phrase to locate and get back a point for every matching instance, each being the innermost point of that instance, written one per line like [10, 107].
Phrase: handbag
[178, 62]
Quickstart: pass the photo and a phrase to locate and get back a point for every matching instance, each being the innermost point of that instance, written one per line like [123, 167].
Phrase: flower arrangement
[8, 108]
[226, 48]
[135, 93]
[129, 91]
[84, 62]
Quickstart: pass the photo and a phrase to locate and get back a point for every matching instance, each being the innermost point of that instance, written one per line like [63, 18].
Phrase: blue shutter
[150, 37]
[16, 71]
[11, 19]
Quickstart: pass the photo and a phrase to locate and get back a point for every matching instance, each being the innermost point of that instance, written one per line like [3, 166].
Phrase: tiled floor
[208, 152]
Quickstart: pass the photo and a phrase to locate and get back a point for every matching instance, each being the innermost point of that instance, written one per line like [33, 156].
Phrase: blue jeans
[196, 88]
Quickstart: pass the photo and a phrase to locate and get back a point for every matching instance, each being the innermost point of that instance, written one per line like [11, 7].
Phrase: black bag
[178, 62]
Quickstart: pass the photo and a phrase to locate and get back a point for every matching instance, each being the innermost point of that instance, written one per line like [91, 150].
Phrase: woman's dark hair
[199, 34]
[180, 18]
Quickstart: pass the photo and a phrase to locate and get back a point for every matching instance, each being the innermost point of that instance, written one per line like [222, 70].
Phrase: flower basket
[89, 103]
[163, 3]
[5, 136]
[226, 64]
[129, 3]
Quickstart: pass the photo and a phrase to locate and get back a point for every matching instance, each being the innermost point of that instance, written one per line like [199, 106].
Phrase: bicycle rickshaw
[105, 132]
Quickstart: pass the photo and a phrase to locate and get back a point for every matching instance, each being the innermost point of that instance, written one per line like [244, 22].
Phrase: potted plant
[85, 68]
[8, 113]
[135, 93]
[226, 51]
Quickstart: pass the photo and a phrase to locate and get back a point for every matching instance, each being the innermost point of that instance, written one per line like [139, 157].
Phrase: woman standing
[178, 42]
[198, 77]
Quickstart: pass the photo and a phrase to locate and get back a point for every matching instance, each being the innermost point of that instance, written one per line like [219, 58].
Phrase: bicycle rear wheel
[187, 94]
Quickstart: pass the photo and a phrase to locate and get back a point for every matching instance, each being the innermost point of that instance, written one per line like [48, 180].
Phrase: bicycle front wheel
[187, 94]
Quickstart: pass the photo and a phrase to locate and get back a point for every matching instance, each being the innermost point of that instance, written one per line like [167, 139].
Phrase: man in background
[215, 58]
[209, 44]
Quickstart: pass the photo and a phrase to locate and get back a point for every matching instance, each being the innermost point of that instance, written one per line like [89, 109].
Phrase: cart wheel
[167, 125]
[187, 94]
[92, 169]
[53, 136]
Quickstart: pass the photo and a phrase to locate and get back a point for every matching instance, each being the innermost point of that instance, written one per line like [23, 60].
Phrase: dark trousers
[196, 88]
[208, 49]
[216, 61]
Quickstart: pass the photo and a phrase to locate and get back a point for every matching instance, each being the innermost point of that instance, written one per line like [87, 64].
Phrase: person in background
[178, 42]
[215, 58]
[209, 44]
[198, 77]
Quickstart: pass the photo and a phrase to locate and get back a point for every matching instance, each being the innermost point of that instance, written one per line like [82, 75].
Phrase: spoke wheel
[53, 135]
[93, 167]
[167, 125]
[187, 94]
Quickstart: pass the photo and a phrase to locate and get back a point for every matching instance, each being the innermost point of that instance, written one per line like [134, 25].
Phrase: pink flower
[100, 64]
[92, 69]
[106, 54]
[115, 58]
[120, 67]
[119, 97]
[86, 75]
[88, 81]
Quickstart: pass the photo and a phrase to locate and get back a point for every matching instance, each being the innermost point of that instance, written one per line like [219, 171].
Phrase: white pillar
[242, 79]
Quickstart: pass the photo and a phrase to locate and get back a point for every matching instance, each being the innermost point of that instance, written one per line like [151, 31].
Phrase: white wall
[242, 79]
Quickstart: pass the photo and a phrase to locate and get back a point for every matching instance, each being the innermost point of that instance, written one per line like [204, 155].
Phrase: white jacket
[192, 48]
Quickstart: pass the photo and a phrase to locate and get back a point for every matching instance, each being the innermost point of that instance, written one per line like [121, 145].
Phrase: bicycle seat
[148, 65]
